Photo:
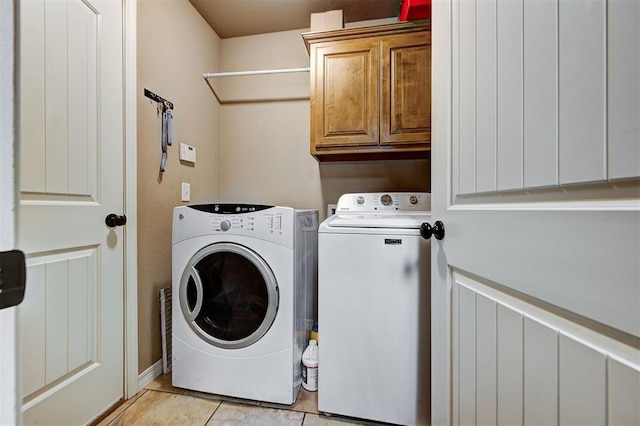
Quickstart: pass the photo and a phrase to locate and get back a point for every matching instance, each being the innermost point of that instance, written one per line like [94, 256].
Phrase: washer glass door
[228, 295]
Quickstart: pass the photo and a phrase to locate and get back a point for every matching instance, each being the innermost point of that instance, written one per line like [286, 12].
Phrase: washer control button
[225, 225]
[413, 200]
[386, 200]
[360, 199]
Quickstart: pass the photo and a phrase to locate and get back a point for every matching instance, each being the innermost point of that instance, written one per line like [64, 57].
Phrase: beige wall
[264, 134]
[175, 46]
[253, 148]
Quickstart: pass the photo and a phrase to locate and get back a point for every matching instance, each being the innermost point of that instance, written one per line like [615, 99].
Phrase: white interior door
[71, 100]
[536, 159]
[9, 413]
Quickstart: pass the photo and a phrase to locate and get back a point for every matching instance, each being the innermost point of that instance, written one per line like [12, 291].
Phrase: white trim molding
[131, 381]
[150, 374]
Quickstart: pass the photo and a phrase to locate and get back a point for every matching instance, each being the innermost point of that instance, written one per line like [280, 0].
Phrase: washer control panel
[384, 202]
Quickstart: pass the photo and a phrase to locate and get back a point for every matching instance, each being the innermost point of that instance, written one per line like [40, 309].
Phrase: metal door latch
[13, 277]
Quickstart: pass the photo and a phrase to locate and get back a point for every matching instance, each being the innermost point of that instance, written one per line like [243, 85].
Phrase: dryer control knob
[225, 225]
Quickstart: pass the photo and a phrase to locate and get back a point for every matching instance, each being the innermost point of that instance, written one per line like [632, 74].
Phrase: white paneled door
[536, 176]
[71, 178]
[9, 413]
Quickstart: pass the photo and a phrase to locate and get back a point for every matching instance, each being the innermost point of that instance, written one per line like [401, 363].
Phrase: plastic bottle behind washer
[313, 334]
[310, 361]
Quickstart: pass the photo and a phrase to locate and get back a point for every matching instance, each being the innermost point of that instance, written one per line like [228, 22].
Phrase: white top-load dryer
[374, 308]
[244, 278]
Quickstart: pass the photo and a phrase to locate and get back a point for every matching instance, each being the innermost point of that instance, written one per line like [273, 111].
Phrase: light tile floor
[162, 404]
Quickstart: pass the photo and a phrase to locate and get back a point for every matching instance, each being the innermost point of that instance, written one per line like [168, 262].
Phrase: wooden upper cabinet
[371, 92]
[406, 89]
[345, 99]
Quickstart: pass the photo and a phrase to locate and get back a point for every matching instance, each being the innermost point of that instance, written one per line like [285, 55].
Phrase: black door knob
[113, 220]
[437, 230]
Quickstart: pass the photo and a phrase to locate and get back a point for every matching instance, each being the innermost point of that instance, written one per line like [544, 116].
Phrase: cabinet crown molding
[367, 31]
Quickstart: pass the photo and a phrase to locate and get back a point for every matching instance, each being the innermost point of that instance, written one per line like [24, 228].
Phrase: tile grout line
[129, 404]
[213, 414]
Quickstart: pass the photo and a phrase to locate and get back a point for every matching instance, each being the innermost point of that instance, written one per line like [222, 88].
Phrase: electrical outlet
[186, 191]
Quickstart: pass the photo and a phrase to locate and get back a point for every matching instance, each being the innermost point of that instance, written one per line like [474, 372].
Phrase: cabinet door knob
[112, 220]
[437, 230]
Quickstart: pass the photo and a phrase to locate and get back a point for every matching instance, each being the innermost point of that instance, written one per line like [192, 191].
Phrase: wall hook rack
[167, 124]
[149, 94]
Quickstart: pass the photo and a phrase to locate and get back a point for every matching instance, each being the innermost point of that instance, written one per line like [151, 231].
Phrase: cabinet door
[406, 89]
[344, 94]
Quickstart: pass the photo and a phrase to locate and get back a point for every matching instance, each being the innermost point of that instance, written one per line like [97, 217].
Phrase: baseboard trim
[149, 375]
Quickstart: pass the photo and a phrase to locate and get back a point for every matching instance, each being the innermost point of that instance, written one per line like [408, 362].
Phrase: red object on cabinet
[415, 9]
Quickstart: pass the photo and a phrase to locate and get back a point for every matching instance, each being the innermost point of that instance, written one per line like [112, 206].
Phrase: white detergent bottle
[310, 366]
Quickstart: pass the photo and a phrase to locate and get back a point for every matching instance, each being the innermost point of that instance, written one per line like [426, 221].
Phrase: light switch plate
[187, 153]
[186, 191]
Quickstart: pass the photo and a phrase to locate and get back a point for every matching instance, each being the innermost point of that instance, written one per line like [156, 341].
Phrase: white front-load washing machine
[244, 277]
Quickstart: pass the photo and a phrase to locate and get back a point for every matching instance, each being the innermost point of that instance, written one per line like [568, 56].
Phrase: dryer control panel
[381, 202]
[269, 223]
[265, 222]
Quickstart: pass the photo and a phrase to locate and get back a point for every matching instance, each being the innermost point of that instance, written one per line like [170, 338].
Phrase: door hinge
[13, 277]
